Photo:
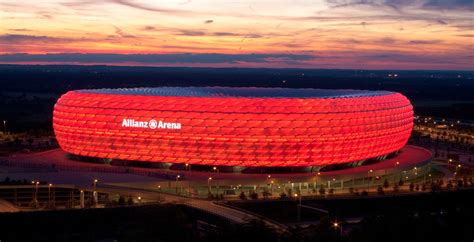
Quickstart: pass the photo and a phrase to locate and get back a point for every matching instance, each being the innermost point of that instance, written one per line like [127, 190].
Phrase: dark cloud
[122, 34]
[385, 41]
[425, 42]
[149, 28]
[370, 3]
[20, 30]
[225, 34]
[128, 3]
[467, 5]
[398, 5]
[154, 58]
[209, 21]
[18, 38]
[186, 32]
[440, 21]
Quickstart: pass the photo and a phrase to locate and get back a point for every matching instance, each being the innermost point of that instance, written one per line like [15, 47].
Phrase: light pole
[36, 192]
[209, 179]
[456, 172]
[369, 178]
[394, 176]
[187, 166]
[177, 179]
[49, 194]
[336, 226]
[4, 127]
[94, 192]
[299, 206]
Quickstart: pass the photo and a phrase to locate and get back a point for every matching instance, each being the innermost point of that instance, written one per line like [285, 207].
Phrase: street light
[4, 127]
[368, 178]
[36, 191]
[139, 199]
[177, 179]
[209, 179]
[188, 166]
[95, 183]
[49, 193]
[337, 225]
[299, 206]
[94, 192]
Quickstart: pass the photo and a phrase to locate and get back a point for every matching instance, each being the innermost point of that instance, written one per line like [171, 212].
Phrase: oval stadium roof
[247, 92]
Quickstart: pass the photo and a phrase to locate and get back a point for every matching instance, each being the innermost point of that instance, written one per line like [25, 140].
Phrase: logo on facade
[152, 124]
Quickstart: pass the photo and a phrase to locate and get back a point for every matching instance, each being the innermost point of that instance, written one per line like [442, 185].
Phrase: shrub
[331, 191]
[322, 191]
[380, 190]
[242, 196]
[395, 188]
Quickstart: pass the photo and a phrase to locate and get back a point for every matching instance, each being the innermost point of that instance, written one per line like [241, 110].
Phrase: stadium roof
[244, 92]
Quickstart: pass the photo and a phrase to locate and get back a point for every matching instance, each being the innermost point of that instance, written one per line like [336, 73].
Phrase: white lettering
[152, 124]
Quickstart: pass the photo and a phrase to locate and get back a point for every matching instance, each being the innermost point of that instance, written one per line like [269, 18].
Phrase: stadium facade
[222, 126]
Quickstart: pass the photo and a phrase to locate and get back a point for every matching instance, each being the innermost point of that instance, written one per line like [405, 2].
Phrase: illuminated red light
[232, 130]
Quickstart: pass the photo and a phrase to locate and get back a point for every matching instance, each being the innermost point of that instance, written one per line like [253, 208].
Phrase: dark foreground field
[446, 216]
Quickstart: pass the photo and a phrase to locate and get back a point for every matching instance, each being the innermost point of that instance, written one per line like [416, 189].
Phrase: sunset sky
[350, 34]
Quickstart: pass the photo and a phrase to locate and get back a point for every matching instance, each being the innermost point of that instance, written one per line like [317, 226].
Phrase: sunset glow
[384, 34]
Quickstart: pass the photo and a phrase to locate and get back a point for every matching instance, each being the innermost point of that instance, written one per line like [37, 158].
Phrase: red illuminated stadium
[268, 127]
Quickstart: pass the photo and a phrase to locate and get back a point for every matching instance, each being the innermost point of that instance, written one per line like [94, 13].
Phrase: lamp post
[209, 179]
[35, 196]
[177, 179]
[4, 127]
[369, 178]
[298, 196]
[49, 193]
[187, 166]
[336, 226]
[94, 192]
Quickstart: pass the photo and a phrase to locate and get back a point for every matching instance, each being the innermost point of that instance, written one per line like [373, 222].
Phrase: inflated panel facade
[232, 130]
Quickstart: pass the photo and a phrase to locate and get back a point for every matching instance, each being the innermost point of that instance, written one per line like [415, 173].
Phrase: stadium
[234, 127]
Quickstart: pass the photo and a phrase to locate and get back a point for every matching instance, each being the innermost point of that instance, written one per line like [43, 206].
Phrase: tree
[210, 196]
[331, 191]
[254, 195]
[380, 190]
[395, 188]
[130, 201]
[121, 201]
[266, 194]
[412, 186]
[351, 190]
[242, 196]
[322, 191]
[400, 182]
[385, 184]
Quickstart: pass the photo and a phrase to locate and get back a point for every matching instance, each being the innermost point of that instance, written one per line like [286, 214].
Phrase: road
[7, 207]
[234, 215]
